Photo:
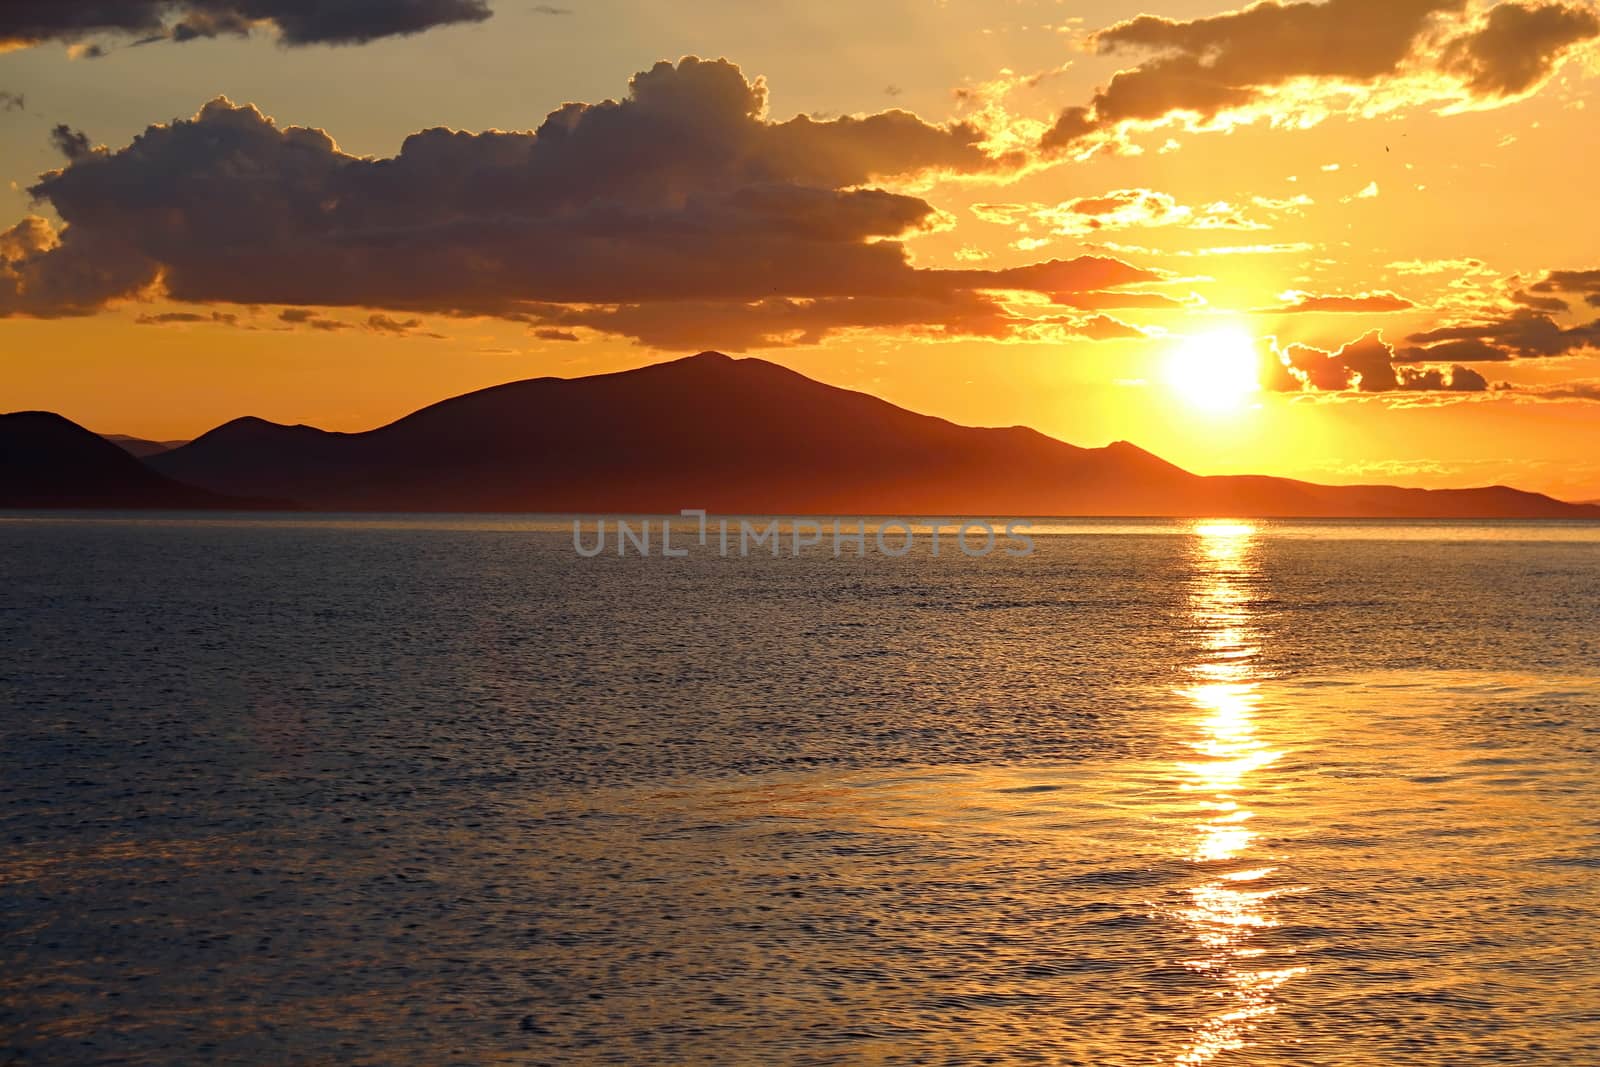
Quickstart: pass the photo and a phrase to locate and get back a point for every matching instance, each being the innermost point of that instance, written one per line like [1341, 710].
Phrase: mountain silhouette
[140, 446]
[749, 437]
[47, 461]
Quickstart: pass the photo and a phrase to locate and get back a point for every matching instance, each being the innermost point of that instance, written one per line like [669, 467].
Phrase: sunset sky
[1343, 241]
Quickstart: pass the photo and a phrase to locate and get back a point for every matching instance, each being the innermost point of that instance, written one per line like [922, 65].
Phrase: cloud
[1461, 350]
[1553, 304]
[740, 326]
[548, 333]
[1569, 281]
[40, 272]
[1096, 300]
[307, 317]
[177, 318]
[682, 193]
[13, 102]
[24, 23]
[1517, 47]
[1524, 333]
[1440, 266]
[1106, 328]
[1580, 389]
[1070, 127]
[74, 144]
[1288, 204]
[1585, 283]
[379, 323]
[385, 324]
[1433, 379]
[1365, 365]
[1279, 248]
[1119, 209]
[1272, 59]
[1377, 301]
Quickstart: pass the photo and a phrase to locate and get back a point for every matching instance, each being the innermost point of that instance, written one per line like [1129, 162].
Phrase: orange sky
[1418, 169]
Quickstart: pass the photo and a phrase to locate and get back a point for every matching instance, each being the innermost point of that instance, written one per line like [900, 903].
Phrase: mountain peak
[717, 362]
[39, 420]
[47, 460]
[252, 427]
[744, 436]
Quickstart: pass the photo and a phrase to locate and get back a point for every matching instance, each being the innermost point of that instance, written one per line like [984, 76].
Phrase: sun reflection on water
[1228, 907]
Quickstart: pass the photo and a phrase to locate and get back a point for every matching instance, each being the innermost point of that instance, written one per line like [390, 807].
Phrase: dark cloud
[175, 318]
[297, 22]
[550, 333]
[40, 273]
[199, 25]
[1205, 66]
[13, 102]
[1311, 369]
[1466, 350]
[1553, 304]
[1370, 361]
[74, 144]
[385, 324]
[307, 317]
[1374, 302]
[1569, 281]
[1518, 46]
[1365, 365]
[1460, 380]
[1585, 283]
[1057, 275]
[781, 321]
[549, 9]
[1071, 126]
[1525, 333]
[741, 326]
[681, 193]
[379, 323]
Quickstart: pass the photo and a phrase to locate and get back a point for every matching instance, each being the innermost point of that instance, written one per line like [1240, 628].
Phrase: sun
[1216, 370]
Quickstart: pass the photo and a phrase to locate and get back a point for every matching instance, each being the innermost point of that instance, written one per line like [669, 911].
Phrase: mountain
[139, 446]
[749, 437]
[47, 461]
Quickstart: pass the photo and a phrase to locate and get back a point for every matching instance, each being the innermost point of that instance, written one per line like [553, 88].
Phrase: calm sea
[437, 790]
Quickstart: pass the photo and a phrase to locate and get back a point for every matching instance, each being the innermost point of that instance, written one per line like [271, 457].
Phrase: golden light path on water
[1226, 911]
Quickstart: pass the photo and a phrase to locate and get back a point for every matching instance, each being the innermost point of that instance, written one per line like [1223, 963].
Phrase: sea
[442, 790]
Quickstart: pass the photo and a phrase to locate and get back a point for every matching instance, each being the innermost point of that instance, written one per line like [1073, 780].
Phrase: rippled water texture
[437, 790]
